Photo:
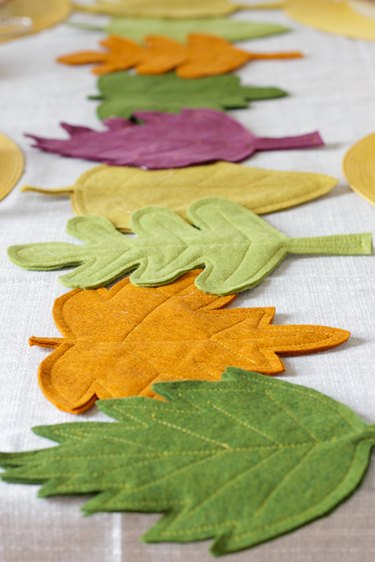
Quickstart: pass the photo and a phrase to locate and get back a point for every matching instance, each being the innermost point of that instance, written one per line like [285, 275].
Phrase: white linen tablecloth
[333, 90]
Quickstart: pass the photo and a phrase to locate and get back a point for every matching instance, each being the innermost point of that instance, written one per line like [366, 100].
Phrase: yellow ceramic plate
[359, 167]
[11, 165]
[343, 17]
[41, 14]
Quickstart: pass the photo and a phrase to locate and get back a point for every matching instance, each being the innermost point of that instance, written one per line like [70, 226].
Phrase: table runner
[333, 90]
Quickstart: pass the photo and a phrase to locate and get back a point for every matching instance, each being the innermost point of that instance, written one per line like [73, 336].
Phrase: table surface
[333, 90]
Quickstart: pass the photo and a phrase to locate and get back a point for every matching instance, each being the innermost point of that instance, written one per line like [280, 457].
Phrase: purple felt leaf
[167, 140]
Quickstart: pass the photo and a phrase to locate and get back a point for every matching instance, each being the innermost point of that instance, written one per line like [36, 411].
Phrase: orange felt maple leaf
[203, 55]
[118, 342]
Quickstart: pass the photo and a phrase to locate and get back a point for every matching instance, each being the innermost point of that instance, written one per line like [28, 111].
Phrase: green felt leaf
[228, 28]
[240, 461]
[237, 248]
[123, 93]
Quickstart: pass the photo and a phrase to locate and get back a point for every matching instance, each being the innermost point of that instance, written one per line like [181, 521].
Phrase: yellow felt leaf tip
[260, 5]
[359, 168]
[42, 13]
[117, 192]
[118, 342]
[341, 17]
[11, 165]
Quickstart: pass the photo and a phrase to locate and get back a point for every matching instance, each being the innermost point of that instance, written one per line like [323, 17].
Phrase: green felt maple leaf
[237, 248]
[138, 29]
[124, 93]
[241, 461]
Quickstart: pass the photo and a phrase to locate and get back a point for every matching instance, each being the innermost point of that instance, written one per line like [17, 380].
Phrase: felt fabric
[230, 29]
[237, 248]
[117, 192]
[359, 167]
[122, 94]
[42, 13]
[240, 461]
[118, 342]
[161, 140]
[11, 165]
[332, 90]
[202, 55]
[343, 17]
[173, 9]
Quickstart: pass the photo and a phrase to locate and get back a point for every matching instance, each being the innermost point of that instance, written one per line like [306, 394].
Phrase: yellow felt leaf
[42, 13]
[359, 167]
[117, 192]
[343, 17]
[11, 165]
[171, 9]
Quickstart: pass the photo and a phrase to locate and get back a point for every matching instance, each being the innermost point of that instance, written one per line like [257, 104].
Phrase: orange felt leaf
[203, 55]
[161, 55]
[122, 54]
[118, 342]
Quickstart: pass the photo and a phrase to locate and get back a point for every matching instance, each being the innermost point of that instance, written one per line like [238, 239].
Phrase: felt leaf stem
[203, 55]
[118, 342]
[123, 94]
[173, 9]
[237, 248]
[117, 192]
[11, 165]
[162, 140]
[359, 167]
[240, 461]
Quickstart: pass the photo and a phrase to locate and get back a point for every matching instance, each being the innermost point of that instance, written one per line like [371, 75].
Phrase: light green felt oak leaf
[236, 248]
[230, 29]
[240, 461]
[122, 94]
[138, 29]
